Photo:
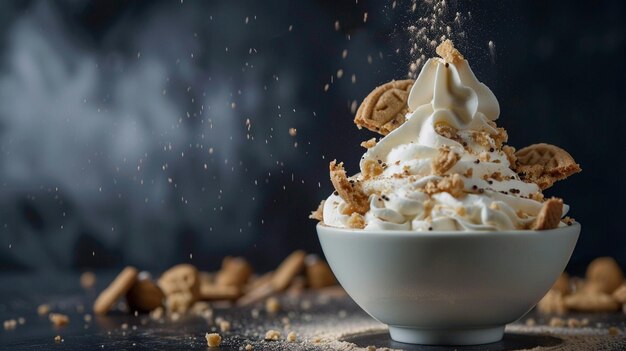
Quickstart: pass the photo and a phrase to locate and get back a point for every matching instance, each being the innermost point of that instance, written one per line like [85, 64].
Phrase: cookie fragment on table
[118, 288]
[591, 302]
[144, 295]
[603, 275]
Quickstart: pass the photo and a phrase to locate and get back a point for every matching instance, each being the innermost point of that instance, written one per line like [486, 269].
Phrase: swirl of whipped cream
[494, 197]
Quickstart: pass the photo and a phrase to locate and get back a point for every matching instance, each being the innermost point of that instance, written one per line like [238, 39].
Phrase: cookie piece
[603, 275]
[549, 216]
[211, 292]
[276, 281]
[619, 294]
[180, 278]
[544, 164]
[591, 302]
[235, 271]
[288, 269]
[318, 273]
[144, 295]
[448, 52]
[181, 286]
[384, 109]
[350, 190]
[552, 303]
[118, 288]
[444, 160]
[318, 214]
[562, 284]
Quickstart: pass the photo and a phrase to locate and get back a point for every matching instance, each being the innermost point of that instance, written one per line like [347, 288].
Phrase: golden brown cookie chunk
[444, 160]
[210, 292]
[562, 284]
[604, 275]
[619, 294]
[318, 273]
[235, 272]
[118, 288]
[180, 278]
[213, 339]
[356, 221]
[144, 296]
[452, 185]
[448, 52]
[349, 190]
[549, 216]
[58, 319]
[384, 109]
[447, 131]
[509, 151]
[179, 302]
[372, 169]
[552, 302]
[288, 269]
[544, 164]
[276, 281]
[591, 302]
[318, 214]
[368, 144]
[87, 280]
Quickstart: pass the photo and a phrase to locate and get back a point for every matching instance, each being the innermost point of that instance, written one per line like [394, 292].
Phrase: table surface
[327, 320]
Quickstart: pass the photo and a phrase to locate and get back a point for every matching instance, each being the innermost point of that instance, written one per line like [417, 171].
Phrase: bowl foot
[446, 336]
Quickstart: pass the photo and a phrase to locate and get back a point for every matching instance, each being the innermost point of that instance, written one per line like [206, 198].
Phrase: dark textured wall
[150, 133]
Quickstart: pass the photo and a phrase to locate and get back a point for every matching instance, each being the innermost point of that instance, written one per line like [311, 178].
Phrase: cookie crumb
[249, 347]
[272, 305]
[444, 160]
[573, 323]
[224, 325]
[509, 152]
[448, 52]
[10, 324]
[350, 191]
[557, 322]
[58, 319]
[371, 168]
[272, 335]
[552, 302]
[356, 221]
[88, 280]
[368, 144]
[156, 313]
[213, 339]
[318, 214]
[57, 339]
[43, 309]
[613, 331]
[292, 337]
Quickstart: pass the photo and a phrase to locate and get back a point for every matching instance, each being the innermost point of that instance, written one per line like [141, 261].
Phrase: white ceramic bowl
[447, 288]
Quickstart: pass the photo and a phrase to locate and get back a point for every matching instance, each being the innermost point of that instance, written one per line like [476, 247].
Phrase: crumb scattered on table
[213, 339]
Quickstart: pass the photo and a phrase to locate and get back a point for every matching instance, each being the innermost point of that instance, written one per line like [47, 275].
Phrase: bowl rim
[575, 227]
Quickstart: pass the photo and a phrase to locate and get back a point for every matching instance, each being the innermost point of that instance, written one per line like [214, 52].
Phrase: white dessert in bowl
[445, 234]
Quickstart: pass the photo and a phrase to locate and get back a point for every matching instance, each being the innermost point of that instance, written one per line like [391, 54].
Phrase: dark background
[157, 132]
